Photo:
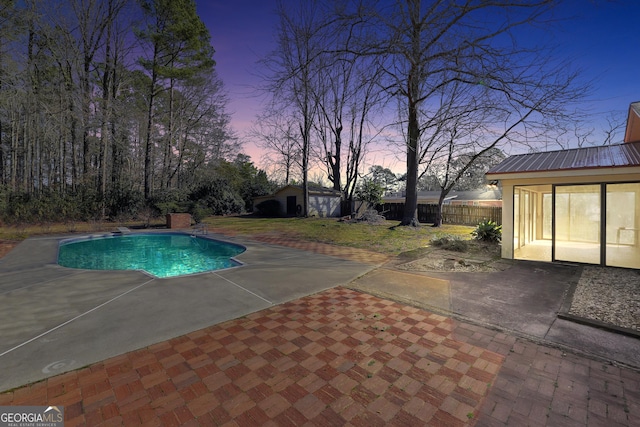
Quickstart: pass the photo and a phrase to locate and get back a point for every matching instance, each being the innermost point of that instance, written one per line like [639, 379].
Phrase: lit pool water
[162, 255]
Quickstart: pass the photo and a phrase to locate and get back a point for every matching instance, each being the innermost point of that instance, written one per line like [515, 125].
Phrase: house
[491, 195]
[578, 205]
[459, 207]
[323, 202]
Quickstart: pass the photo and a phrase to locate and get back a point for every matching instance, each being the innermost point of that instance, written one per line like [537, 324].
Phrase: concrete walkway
[340, 356]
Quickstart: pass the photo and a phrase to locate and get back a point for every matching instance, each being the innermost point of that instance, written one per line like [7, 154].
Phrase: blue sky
[603, 39]
[599, 36]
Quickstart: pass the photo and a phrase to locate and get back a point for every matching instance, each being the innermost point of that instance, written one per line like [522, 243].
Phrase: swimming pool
[162, 255]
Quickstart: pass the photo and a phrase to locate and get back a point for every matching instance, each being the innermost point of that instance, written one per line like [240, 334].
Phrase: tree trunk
[73, 125]
[410, 215]
[438, 220]
[169, 141]
[305, 170]
[86, 113]
[148, 171]
[104, 132]
[335, 164]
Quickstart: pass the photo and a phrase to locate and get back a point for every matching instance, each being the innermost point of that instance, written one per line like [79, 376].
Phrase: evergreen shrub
[269, 208]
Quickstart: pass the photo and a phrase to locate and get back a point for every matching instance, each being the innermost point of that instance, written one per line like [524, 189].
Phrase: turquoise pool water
[162, 255]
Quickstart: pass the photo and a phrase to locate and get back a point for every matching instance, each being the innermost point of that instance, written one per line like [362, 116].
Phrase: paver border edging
[599, 324]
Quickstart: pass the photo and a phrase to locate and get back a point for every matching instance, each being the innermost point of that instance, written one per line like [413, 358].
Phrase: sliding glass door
[577, 223]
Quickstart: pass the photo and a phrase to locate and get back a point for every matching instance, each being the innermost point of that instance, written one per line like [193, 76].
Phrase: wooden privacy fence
[451, 214]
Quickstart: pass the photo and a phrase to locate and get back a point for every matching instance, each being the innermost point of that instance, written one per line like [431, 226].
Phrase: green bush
[47, 206]
[450, 243]
[169, 201]
[488, 231]
[269, 208]
[199, 212]
[216, 197]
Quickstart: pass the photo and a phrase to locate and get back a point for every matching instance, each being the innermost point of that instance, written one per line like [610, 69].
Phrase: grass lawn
[386, 238]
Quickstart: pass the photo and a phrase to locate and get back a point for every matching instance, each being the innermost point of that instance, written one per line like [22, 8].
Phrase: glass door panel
[516, 219]
[526, 224]
[547, 205]
[623, 249]
[528, 242]
[577, 230]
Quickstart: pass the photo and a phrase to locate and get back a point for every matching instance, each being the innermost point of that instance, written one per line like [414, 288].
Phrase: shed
[323, 202]
[577, 205]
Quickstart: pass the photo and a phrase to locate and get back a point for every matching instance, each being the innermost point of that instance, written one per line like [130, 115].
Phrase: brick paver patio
[328, 359]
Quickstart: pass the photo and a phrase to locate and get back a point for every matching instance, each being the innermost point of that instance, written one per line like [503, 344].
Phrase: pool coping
[117, 234]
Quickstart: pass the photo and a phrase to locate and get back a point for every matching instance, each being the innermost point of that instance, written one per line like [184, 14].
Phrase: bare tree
[430, 46]
[90, 19]
[329, 90]
[277, 135]
[112, 56]
[475, 119]
[202, 130]
[616, 123]
[293, 68]
[347, 94]
[473, 178]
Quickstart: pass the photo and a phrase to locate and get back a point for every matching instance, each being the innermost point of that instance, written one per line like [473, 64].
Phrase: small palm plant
[488, 231]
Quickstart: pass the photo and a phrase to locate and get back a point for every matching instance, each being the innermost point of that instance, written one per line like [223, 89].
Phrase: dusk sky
[601, 35]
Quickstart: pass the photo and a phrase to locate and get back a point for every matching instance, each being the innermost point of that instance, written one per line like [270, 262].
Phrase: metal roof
[606, 156]
[315, 190]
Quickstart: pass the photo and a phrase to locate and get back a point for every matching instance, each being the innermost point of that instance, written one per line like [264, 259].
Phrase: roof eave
[611, 170]
[632, 131]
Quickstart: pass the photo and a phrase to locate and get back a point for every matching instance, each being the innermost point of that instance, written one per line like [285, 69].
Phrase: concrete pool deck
[346, 357]
[55, 319]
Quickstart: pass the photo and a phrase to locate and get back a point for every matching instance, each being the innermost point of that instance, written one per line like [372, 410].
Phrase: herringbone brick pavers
[543, 386]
